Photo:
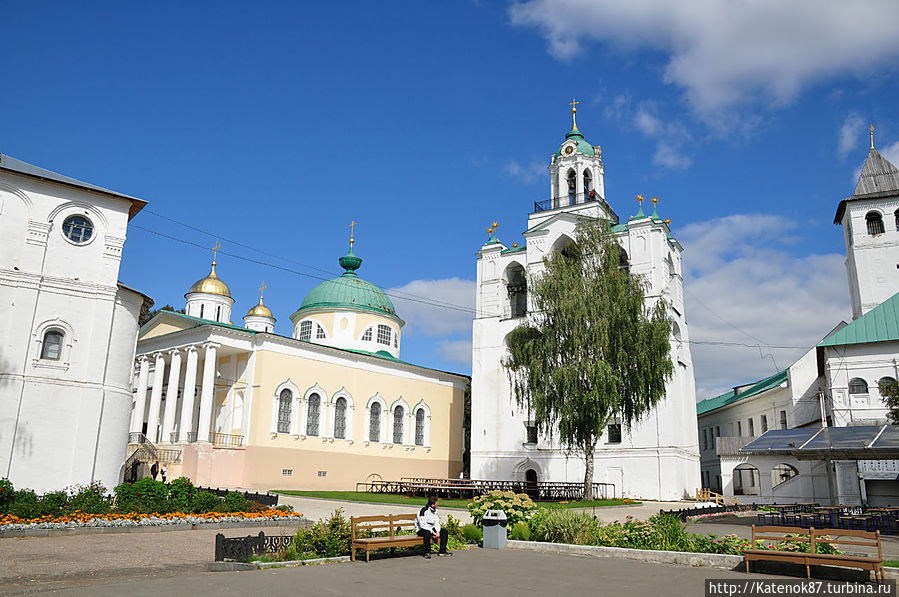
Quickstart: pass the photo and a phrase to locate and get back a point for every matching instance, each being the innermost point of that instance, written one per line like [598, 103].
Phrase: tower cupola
[209, 297]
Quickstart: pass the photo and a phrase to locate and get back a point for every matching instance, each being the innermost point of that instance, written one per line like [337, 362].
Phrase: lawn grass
[891, 563]
[389, 498]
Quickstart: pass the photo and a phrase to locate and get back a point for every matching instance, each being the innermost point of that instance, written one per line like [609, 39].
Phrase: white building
[835, 383]
[67, 329]
[659, 459]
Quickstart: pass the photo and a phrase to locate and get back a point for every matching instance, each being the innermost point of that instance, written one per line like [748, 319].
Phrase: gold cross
[262, 289]
[352, 231]
[872, 134]
[573, 103]
[215, 250]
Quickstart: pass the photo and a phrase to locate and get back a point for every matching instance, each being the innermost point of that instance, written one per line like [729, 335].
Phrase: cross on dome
[573, 103]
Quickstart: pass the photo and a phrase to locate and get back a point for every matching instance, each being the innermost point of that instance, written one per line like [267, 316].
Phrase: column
[207, 395]
[156, 398]
[190, 394]
[171, 396]
[140, 402]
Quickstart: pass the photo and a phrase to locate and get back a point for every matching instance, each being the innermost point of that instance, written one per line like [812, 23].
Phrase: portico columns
[207, 395]
[190, 394]
[171, 396]
[140, 401]
[156, 398]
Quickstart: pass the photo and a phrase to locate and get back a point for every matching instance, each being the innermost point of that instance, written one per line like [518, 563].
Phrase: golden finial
[668, 221]
[490, 231]
[352, 230]
[872, 134]
[573, 103]
[640, 199]
[215, 250]
[514, 245]
[655, 201]
[495, 225]
[261, 291]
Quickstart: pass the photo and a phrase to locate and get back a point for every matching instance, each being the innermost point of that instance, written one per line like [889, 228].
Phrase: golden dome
[260, 310]
[211, 285]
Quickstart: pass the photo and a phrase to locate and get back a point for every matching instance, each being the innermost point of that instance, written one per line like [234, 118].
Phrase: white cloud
[456, 351]
[727, 53]
[744, 286]
[453, 315]
[670, 157]
[671, 136]
[850, 134]
[529, 174]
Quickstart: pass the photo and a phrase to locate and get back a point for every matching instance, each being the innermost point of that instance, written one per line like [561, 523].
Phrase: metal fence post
[219, 547]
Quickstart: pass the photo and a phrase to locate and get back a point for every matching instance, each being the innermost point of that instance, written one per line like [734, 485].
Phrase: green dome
[582, 146]
[349, 291]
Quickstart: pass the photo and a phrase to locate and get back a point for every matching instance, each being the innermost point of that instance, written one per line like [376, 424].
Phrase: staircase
[707, 495]
[147, 452]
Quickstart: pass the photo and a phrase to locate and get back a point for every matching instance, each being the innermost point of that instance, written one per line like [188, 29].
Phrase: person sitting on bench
[427, 526]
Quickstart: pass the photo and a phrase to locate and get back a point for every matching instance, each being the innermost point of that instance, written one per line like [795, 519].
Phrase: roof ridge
[880, 324]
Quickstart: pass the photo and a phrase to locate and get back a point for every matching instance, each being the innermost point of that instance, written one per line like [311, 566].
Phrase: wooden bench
[815, 537]
[384, 533]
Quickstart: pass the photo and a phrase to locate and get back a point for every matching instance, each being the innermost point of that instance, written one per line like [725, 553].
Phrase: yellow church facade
[329, 407]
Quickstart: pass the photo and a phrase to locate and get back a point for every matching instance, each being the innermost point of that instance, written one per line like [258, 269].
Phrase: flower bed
[136, 519]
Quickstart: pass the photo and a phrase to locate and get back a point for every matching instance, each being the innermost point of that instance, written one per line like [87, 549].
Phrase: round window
[78, 229]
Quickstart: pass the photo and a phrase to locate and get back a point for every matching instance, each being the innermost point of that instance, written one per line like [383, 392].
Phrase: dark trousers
[428, 535]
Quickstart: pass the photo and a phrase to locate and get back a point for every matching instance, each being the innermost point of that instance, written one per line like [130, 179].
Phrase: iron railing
[173, 437]
[468, 488]
[226, 440]
[136, 437]
[566, 200]
[191, 437]
[266, 499]
[241, 549]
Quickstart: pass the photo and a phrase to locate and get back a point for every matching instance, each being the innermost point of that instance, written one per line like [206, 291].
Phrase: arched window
[517, 288]
[781, 473]
[746, 480]
[398, 414]
[374, 424]
[305, 330]
[875, 223]
[340, 418]
[366, 337]
[313, 409]
[218, 313]
[572, 186]
[51, 349]
[396, 340]
[884, 383]
[201, 310]
[420, 427]
[284, 403]
[319, 332]
[858, 385]
[588, 184]
[384, 334]
[624, 262]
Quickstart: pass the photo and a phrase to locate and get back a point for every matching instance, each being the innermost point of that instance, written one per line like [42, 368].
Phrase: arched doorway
[530, 483]
[746, 480]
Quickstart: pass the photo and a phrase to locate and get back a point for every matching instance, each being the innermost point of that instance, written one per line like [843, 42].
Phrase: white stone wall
[870, 362]
[59, 418]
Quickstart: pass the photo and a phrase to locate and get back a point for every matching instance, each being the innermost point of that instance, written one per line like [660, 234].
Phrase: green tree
[890, 391]
[593, 349]
[150, 314]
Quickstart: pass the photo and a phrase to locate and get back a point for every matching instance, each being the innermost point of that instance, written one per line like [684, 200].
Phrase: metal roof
[869, 442]
[18, 166]
[736, 395]
[880, 324]
[879, 178]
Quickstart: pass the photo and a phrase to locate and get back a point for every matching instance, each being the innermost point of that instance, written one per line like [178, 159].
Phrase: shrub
[206, 501]
[568, 526]
[472, 533]
[517, 507]
[284, 508]
[521, 531]
[7, 493]
[90, 498]
[326, 538]
[54, 503]
[25, 504]
[181, 495]
[237, 502]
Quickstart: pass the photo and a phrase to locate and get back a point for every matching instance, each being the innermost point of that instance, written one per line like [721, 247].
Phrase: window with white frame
[384, 334]
[284, 407]
[313, 411]
[51, 348]
[858, 385]
[764, 423]
[420, 427]
[396, 340]
[305, 330]
[366, 337]
[340, 418]
[78, 229]
[398, 416]
[319, 333]
[374, 424]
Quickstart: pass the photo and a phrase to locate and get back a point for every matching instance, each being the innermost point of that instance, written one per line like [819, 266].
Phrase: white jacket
[428, 521]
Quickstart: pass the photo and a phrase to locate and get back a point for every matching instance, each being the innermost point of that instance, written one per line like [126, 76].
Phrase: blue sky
[276, 124]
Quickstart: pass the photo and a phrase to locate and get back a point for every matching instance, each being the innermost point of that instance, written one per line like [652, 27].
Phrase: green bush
[472, 533]
[7, 493]
[88, 498]
[284, 508]
[520, 531]
[145, 496]
[25, 504]
[54, 503]
[206, 501]
[568, 526]
[181, 495]
[326, 538]
[517, 507]
[237, 502]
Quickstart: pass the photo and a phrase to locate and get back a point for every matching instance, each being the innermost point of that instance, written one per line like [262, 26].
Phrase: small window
[875, 223]
[896, 217]
[366, 337]
[319, 333]
[717, 431]
[287, 472]
[398, 415]
[322, 473]
[703, 438]
[614, 431]
[396, 340]
[305, 330]
[218, 313]
[530, 433]
[384, 335]
[885, 382]
[783, 419]
[764, 423]
[858, 385]
[51, 349]
[284, 405]
[420, 427]
[201, 311]
[739, 429]
[374, 425]
[340, 418]
[782, 473]
[78, 229]
[312, 414]
[751, 427]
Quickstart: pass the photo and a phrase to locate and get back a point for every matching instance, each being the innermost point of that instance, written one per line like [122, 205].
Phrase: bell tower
[576, 170]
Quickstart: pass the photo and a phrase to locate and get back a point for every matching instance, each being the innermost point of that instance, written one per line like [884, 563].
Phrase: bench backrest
[813, 536]
[390, 523]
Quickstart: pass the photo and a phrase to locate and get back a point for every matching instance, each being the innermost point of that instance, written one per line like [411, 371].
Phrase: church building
[659, 458]
[330, 406]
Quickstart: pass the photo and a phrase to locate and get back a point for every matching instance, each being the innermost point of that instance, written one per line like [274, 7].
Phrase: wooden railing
[707, 495]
